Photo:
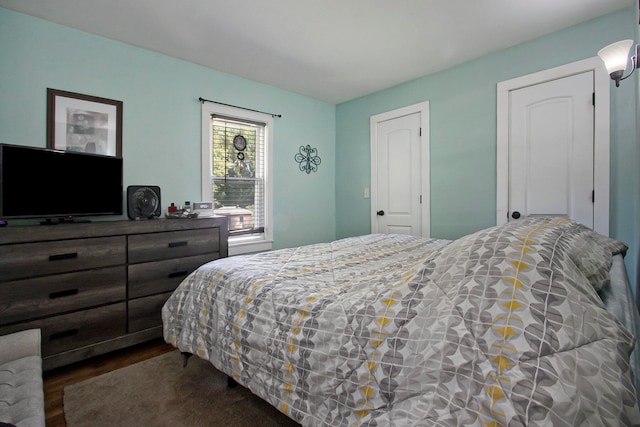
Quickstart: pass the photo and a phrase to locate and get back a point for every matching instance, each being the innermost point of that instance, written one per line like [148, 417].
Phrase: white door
[551, 149]
[399, 198]
[600, 146]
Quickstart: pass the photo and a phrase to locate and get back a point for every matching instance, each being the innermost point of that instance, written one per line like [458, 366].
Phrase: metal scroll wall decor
[308, 159]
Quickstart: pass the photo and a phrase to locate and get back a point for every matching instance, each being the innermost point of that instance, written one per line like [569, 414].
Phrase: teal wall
[463, 135]
[161, 143]
[161, 124]
[636, 206]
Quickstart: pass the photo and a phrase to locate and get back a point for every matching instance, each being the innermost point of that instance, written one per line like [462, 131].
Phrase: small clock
[239, 142]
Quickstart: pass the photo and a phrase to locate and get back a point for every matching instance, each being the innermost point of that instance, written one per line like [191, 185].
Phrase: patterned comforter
[501, 327]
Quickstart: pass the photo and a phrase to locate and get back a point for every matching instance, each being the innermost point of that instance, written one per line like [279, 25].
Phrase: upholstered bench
[21, 390]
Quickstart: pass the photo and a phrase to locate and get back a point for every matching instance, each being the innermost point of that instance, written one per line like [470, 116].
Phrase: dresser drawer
[74, 330]
[44, 296]
[39, 259]
[145, 313]
[151, 278]
[173, 244]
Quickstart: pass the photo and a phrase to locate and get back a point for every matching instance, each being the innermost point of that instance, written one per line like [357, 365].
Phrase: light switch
[366, 192]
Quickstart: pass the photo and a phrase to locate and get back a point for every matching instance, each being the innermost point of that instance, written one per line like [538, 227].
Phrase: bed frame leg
[231, 383]
[185, 358]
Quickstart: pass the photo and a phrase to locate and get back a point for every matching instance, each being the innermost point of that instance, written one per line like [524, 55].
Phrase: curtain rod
[202, 100]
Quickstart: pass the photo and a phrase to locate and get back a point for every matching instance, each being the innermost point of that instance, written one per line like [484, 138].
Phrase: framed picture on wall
[83, 123]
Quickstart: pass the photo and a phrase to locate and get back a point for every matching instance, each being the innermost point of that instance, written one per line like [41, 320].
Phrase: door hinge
[420, 132]
[593, 196]
[593, 99]
[421, 199]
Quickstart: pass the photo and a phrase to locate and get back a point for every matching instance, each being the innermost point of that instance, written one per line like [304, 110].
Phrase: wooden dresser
[99, 286]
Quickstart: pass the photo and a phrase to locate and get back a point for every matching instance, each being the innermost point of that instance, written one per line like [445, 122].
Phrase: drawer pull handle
[64, 334]
[178, 274]
[176, 244]
[65, 293]
[59, 257]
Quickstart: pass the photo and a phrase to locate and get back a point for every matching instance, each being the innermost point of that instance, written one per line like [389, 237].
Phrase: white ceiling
[332, 50]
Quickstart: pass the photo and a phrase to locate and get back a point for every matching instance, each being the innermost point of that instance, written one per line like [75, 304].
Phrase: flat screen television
[44, 183]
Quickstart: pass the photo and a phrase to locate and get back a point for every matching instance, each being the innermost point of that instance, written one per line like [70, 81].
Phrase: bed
[529, 323]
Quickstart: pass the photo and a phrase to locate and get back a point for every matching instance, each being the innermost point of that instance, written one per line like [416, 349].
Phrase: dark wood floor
[56, 379]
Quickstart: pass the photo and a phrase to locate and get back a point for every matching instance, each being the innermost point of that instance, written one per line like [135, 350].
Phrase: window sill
[239, 246]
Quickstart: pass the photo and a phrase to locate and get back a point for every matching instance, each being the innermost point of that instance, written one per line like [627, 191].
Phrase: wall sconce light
[615, 59]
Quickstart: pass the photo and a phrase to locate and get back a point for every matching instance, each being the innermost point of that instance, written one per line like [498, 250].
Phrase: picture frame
[84, 123]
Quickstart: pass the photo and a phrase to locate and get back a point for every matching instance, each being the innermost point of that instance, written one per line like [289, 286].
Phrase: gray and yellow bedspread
[501, 327]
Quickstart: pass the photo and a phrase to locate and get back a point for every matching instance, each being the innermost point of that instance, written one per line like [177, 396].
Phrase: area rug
[160, 392]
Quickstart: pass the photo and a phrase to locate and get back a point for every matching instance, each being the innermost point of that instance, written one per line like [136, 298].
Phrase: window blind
[238, 173]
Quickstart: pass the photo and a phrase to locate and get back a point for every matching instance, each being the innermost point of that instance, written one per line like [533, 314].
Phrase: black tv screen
[44, 183]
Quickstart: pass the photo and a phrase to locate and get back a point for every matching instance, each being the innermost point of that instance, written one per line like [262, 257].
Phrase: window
[236, 173]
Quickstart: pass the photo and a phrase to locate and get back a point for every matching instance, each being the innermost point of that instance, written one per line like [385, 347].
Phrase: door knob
[380, 213]
[515, 215]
